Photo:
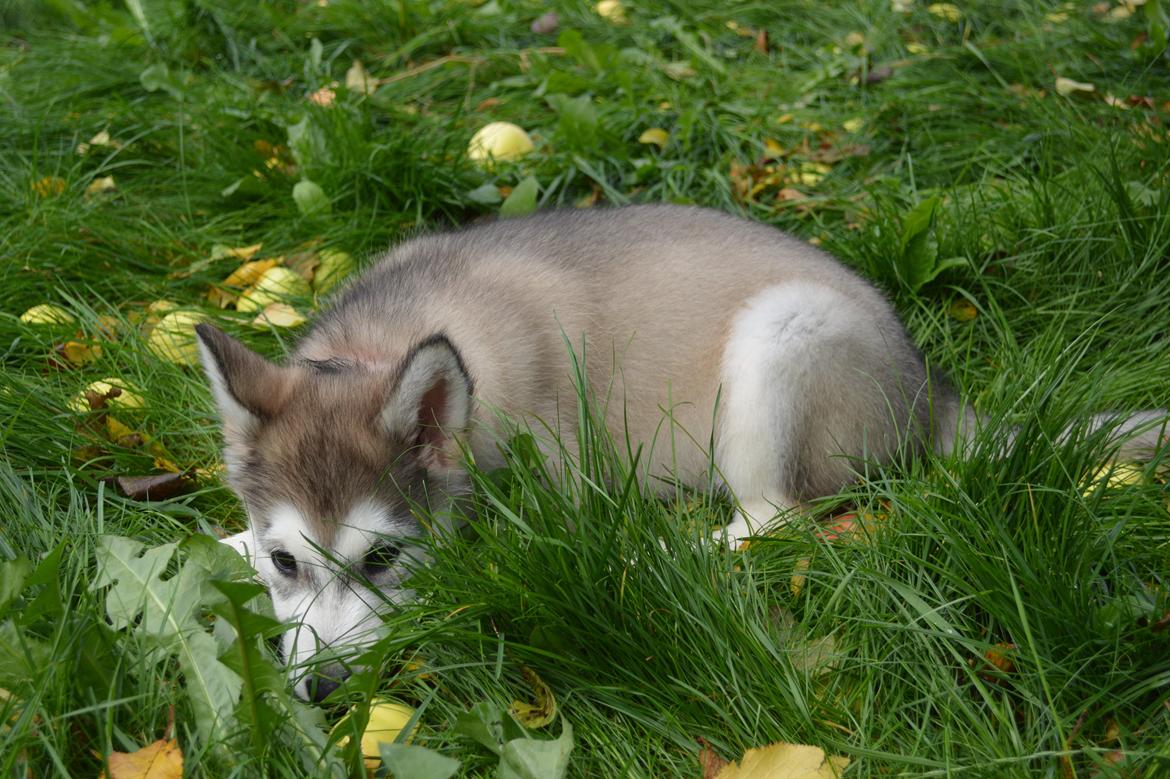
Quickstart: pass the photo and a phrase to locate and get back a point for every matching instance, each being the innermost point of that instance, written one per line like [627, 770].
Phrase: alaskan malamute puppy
[792, 367]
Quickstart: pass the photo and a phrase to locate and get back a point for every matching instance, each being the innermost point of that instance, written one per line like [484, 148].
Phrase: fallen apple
[173, 338]
[499, 141]
[274, 286]
[335, 265]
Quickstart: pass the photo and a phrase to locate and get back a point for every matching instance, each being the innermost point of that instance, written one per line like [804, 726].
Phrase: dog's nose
[323, 682]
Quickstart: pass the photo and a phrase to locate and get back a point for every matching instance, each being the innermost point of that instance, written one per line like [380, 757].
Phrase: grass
[1059, 205]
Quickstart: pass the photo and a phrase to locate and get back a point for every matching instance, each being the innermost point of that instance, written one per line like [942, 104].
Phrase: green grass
[1060, 206]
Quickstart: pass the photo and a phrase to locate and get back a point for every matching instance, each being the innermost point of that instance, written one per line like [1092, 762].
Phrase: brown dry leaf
[543, 712]
[160, 760]
[761, 44]
[323, 97]
[785, 761]
[304, 264]
[1000, 656]
[709, 761]
[787, 194]
[159, 486]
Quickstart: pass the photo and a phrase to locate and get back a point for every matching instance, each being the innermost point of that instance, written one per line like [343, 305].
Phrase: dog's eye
[380, 558]
[284, 561]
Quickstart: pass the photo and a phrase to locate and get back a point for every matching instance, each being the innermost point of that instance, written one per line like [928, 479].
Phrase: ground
[999, 168]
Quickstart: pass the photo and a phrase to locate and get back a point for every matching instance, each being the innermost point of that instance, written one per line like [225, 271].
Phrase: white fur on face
[328, 596]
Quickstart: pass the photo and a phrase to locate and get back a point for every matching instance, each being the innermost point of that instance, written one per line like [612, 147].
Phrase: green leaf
[489, 725]
[916, 265]
[488, 195]
[12, 576]
[309, 144]
[311, 199]
[690, 42]
[522, 200]
[415, 762]
[168, 611]
[528, 758]
[22, 657]
[158, 77]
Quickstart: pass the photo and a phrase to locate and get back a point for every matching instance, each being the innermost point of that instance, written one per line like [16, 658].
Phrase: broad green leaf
[522, 201]
[488, 725]
[311, 199]
[488, 195]
[916, 265]
[157, 77]
[22, 657]
[528, 758]
[168, 611]
[577, 48]
[414, 762]
[12, 577]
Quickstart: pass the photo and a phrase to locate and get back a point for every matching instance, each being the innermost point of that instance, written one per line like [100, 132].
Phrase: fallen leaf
[1119, 475]
[710, 762]
[799, 577]
[160, 486]
[538, 714]
[245, 253]
[275, 285]
[100, 139]
[278, 315]
[761, 44]
[1066, 87]
[1000, 657]
[358, 80]
[853, 125]
[240, 279]
[785, 761]
[160, 760]
[78, 353]
[310, 198]
[322, 97]
[48, 186]
[916, 49]
[99, 185]
[656, 136]
[947, 11]
[963, 310]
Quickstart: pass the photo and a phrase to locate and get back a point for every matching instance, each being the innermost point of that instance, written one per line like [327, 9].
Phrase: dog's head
[329, 459]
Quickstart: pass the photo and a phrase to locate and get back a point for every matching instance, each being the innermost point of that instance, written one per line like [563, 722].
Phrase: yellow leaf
[1119, 475]
[612, 11]
[104, 388]
[118, 431]
[916, 48]
[853, 125]
[99, 185]
[245, 253]
[278, 315]
[358, 80]
[543, 712]
[48, 186]
[799, 577]
[947, 11]
[963, 310]
[656, 136]
[785, 761]
[1066, 87]
[160, 760]
[772, 148]
[78, 353]
[241, 278]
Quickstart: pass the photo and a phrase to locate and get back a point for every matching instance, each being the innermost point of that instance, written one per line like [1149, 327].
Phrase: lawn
[1000, 168]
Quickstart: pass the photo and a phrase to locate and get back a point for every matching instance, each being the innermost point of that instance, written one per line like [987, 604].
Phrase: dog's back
[671, 306]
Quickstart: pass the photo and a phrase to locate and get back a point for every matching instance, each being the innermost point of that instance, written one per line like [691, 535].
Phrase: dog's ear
[247, 387]
[430, 402]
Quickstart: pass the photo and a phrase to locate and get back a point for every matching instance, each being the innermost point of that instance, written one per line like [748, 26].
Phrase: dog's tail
[1126, 438]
